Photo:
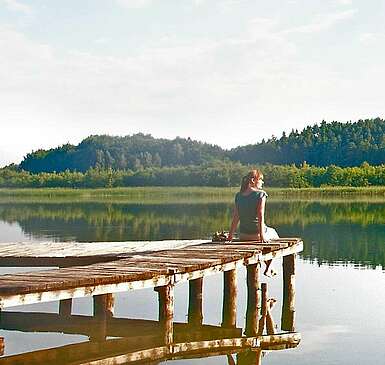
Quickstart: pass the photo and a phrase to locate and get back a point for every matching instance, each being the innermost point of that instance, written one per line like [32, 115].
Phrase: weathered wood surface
[135, 271]
[76, 253]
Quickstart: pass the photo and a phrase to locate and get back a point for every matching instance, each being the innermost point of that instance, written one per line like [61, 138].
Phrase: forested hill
[342, 144]
[130, 152]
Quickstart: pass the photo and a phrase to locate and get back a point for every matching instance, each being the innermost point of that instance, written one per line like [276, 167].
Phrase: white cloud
[134, 4]
[18, 6]
[137, 4]
[323, 22]
[372, 38]
[344, 2]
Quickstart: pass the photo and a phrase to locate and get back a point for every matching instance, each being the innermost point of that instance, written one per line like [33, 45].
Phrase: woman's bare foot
[270, 273]
[271, 302]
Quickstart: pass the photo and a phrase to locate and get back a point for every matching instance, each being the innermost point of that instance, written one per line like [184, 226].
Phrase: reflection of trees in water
[351, 231]
[331, 243]
[305, 213]
[117, 222]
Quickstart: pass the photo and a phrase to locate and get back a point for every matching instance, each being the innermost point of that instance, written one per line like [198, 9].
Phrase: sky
[227, 72]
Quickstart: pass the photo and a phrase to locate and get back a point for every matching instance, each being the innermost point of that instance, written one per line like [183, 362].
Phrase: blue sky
[228, 72]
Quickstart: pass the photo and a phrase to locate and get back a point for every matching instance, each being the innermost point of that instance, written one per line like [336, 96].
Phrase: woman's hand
[230, 237]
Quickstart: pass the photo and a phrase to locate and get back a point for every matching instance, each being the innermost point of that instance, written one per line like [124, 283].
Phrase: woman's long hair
[246, 180]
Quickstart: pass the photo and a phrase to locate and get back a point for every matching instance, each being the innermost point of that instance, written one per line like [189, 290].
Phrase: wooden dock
[125, 271]
[100, 273]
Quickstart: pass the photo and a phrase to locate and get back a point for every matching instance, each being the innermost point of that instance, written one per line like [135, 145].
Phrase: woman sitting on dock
[249, 210]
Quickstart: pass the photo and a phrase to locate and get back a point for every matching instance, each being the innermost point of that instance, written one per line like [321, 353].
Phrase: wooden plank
[165, 265]
[224, 246]
[56, 281]
[180, 277]
[184, 264]
[203, 257]
[133, 267]
[225, 251]
[200, 254]
[79, 292]
[113, 275]
[161, 259]
[42, 261]
[280, 341]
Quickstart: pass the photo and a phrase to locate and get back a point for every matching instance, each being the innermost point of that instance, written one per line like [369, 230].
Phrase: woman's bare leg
[270, 324]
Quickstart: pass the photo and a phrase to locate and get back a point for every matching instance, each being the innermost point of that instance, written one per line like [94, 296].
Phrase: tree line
[221, 174]
[136, 152]
[340, 144]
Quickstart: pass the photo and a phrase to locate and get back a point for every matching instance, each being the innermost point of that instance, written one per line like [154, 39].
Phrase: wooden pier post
[103, 305]
[253, 299]
[249, 357]
[229, 311]
[65, 307]
[166, 311]
[1, 346]
[262, 319]
[195, 301]
[288, 305]
[103, 310]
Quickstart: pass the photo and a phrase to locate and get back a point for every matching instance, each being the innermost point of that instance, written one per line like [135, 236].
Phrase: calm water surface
[340, 282]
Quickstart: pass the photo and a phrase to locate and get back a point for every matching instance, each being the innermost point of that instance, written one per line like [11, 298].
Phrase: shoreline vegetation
[215, 174]
[173, 195]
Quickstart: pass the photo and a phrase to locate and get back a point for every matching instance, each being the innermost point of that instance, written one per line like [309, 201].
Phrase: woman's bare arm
[234, 223]
[261, 218]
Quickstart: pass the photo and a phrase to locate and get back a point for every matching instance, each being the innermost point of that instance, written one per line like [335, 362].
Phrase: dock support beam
[166, 311]
[229, 311]
[253, 299]
[288, 305]
[103, 310]
[65, 307]
[195, 302]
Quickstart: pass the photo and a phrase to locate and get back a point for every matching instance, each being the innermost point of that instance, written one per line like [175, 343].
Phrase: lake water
[340, 278]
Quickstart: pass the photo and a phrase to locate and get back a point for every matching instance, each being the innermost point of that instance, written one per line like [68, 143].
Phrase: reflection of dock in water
[139, 340]
[142, 340]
